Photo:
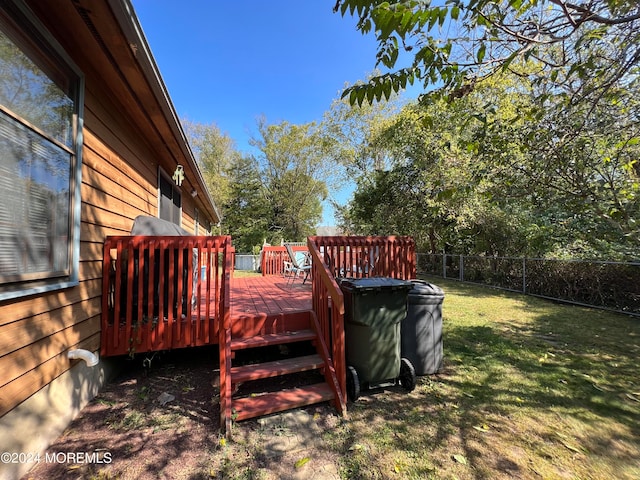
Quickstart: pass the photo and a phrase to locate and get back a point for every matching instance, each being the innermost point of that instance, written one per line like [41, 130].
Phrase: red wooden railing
[330, 372]
[328, 305]
[273, 258]
[351, 256]
[224, 342]
[358, 257]
[161, 293]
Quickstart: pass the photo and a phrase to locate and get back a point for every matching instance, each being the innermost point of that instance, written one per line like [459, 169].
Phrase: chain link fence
[611, 286]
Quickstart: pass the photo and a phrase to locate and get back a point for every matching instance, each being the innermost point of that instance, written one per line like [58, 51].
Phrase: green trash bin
[374, 310]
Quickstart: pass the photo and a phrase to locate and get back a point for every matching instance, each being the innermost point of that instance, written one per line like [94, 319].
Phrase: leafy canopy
[562, 183]
[456, 43]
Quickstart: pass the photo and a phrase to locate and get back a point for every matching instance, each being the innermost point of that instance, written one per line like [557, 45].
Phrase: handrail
[224, 344]
[369, 256]
[328, 305]
[272, 258]
[330, 372]
[161, 292]
[351, 256]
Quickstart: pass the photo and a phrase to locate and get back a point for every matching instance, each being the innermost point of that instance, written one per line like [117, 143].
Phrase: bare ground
[128, 433]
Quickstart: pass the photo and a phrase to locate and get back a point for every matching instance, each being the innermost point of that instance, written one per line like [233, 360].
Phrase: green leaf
[302, 462]
[516, 4]
[481, 52]
[433, 17]
[405, 24]
[371, 93]
[507, 62]
[386, 89]
[443, 16]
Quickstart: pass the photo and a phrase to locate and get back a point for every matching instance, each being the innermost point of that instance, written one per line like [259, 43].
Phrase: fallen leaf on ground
[302, 462]
[481, 428]
[165, 398]
[460, 459]
[571, 447]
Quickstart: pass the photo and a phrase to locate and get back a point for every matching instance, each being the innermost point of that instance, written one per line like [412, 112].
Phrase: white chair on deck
[300, 262]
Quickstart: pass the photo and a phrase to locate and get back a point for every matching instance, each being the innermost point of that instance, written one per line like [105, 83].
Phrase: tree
[247, 211]
[294, 170]
[584, 48]
[350, 131]
[575, 169]
[564, 182]
[216, 153]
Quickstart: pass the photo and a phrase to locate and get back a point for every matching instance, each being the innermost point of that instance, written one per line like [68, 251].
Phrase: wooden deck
[268, 295]
[267, 305]
[149, 287]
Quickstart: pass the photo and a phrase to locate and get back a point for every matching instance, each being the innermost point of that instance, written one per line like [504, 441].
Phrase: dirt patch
[160, 419]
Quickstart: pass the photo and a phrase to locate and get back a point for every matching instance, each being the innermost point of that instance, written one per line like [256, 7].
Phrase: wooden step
[255, 406]
[272, 339]
[275, 368]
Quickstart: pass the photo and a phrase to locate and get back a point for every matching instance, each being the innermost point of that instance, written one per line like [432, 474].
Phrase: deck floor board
[268, 295]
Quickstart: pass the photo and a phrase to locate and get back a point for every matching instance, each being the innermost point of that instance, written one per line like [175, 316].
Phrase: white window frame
[32, 30]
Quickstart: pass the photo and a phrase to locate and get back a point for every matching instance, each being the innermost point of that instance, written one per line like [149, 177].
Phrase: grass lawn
[530, 389]
[245, 273]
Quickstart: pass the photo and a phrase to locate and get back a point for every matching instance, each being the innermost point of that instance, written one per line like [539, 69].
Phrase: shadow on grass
[552, 394]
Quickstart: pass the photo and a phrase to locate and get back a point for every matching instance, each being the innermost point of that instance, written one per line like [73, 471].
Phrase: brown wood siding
[26, 385]
[122, 152]
[35, 333]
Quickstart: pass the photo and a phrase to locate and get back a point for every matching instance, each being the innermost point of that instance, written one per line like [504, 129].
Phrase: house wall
[40, 389]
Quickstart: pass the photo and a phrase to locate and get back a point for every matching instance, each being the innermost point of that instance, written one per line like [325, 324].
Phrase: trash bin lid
[374, 283]
[424, 288]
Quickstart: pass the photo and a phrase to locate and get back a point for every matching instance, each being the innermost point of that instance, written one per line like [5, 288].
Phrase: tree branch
[591, 16]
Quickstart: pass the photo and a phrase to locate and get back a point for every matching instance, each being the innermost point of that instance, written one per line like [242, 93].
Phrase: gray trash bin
[421, 332]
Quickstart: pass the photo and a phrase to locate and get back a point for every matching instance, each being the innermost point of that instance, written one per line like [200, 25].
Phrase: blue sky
[228, 62]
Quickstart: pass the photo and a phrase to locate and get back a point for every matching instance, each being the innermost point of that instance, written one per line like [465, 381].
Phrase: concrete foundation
[32, 426]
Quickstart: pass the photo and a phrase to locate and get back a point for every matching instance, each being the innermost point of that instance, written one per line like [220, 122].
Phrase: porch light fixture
[178, 175]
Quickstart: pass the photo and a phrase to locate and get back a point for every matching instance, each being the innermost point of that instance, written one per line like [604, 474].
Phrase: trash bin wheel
[407, 376]
[353, 384]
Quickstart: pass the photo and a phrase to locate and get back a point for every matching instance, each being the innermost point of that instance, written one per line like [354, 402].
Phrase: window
[40, 118]
[170, 201]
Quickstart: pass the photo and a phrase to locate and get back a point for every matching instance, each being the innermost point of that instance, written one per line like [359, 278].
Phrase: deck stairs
[293, 332]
